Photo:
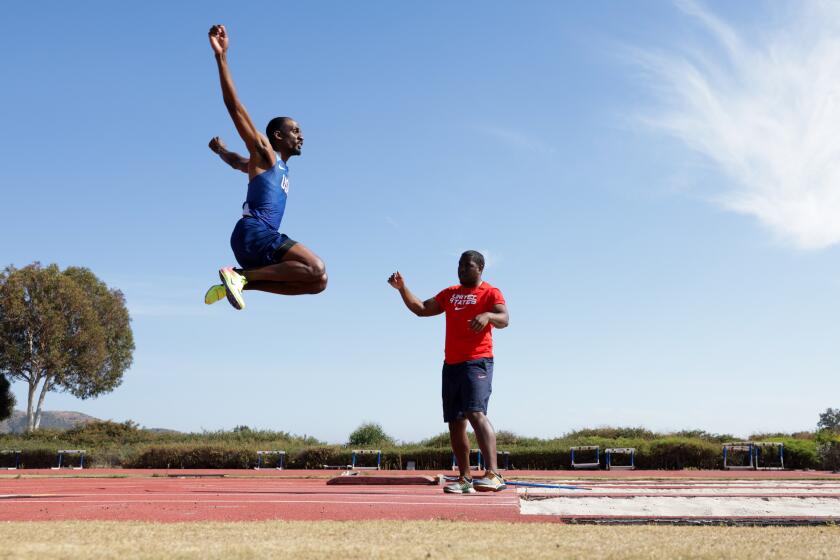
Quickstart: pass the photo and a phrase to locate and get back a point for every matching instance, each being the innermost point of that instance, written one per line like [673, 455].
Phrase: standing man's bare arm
[231, 158]
[427, 308]
[261, 153]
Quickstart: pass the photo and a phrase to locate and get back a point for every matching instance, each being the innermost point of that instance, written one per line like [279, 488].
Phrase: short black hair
[475, 257]
[275, 124]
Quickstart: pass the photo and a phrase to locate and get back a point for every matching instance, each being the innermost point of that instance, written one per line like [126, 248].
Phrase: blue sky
[655, 186]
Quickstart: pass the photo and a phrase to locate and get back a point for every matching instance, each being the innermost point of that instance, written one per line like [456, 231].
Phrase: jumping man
[472, 309]
[269, 260]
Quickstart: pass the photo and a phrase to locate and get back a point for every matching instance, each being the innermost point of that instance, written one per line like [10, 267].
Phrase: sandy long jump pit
[687, 501]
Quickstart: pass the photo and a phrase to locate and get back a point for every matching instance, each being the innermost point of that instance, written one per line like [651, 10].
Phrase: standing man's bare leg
[460, 446]
[486, 437]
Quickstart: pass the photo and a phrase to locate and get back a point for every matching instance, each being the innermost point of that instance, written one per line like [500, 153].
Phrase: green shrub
[679, 453]
[609, 432]
[103, 432]
[192, 457]
[38, 458]
[317, 457]
[425, 458]
[505, 438]
[370, 433]
[705, 436]
[799, 453]
[112, 444]
[829, 453]
[780, 436]
[442, 441]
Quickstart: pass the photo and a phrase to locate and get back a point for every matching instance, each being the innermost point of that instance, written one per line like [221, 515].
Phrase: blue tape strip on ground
[539, 485]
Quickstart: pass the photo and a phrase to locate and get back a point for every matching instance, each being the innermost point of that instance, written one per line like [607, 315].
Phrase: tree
[830, 420]
[7, 399]
[63, 331]
[370, 433]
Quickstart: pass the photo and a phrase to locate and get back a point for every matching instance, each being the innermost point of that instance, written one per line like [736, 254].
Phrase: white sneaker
[460, 486]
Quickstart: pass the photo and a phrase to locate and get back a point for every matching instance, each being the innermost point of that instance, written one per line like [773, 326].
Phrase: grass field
[395, 539]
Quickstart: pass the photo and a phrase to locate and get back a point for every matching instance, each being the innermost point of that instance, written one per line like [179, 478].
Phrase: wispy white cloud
[765, 112]
[516, 139]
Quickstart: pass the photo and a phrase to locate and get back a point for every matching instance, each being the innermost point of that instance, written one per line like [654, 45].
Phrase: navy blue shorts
[255, 244]
[466, 387]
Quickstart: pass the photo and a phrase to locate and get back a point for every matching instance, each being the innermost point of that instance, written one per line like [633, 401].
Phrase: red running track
[270, 494]
[240, 499]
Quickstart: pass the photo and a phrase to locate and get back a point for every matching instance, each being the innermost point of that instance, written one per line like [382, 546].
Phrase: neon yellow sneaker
[233, 282]
[214, 294]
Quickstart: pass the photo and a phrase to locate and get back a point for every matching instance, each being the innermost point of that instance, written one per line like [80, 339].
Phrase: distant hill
[52, 419]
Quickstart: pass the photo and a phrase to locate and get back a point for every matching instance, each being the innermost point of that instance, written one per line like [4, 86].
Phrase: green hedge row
[663, 454]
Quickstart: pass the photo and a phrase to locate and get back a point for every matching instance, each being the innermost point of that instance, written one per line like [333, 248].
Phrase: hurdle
[479, 462]
[357, 452]
[502, 458]
[625, 451]
[586, 465]
[63, 452]
[758, 451]
[747, 446]
[262, 458]
[15, 454]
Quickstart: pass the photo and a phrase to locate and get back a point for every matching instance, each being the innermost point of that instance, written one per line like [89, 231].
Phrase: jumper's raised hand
[396, 280]
[217, 145]
[218, 39]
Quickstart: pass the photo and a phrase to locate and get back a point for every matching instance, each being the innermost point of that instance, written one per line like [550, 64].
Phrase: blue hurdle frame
[739, 446]
[281, 459]
[595, 465]
[759, 446]
[609, 452]
[356, 452]
[60, 458]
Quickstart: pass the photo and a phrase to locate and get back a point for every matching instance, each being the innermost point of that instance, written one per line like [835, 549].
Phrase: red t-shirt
[461, 305]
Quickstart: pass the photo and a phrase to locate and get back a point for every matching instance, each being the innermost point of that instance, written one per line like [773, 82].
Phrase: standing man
[472, 309]
[270, 261]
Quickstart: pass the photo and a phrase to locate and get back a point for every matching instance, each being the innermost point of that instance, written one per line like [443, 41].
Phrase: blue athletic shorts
[255, 244]
[466, 387]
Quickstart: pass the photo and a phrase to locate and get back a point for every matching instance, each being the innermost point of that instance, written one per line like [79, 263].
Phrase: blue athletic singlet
[266, 200]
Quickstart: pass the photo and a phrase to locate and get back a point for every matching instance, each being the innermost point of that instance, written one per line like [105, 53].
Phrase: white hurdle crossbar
[357, 452]
[262, 459]
[60, 459]
[747, 446]
[15, 453]
[610, 452]
[587, 465]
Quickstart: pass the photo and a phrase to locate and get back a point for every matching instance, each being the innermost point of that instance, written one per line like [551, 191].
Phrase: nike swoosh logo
[459, 308]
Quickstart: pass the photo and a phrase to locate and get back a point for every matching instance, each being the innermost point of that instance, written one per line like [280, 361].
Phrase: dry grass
[416, 539]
